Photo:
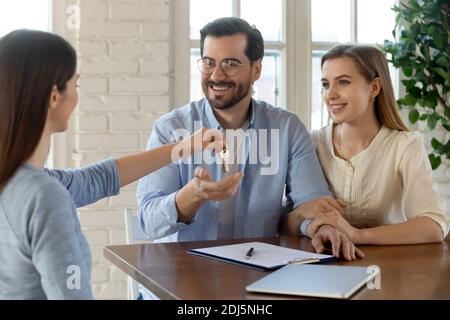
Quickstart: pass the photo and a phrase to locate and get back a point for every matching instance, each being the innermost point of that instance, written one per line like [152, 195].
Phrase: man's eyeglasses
[229, 66]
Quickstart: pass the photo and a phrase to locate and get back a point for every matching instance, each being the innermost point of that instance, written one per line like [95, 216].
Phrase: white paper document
[265, 256]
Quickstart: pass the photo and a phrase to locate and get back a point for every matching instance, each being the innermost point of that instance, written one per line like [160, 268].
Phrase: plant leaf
[414, 116]
[430, 100]
[431, 122]
[409, 83]
[436, 144]
[407, 71]
[447, 112]
[434, 161]
[441, 72]
[407, 101]
[442, 61]
[438, 38]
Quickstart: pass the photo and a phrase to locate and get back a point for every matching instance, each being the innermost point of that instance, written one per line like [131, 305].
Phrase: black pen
[249, 253]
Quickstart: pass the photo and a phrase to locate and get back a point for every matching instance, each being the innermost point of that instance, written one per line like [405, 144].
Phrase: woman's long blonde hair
[372, 63]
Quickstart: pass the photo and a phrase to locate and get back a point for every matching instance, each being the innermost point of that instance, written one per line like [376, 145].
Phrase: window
[357, 21]
[24, 14]
[296, 34]
[268, 19]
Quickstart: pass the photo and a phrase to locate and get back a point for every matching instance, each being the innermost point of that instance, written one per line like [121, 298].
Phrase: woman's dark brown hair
[31, 63]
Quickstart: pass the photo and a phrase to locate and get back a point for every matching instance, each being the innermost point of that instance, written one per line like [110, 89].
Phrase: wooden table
[407, 271]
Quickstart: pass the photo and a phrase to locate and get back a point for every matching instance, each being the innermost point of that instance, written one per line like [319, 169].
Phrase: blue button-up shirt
[285, 175]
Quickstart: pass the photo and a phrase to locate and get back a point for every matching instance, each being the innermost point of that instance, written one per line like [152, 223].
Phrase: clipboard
[266, 257]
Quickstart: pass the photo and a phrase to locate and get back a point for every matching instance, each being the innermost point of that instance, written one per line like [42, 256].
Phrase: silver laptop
[326, 281]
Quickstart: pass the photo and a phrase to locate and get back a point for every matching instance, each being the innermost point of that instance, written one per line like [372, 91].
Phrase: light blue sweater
[43, 253]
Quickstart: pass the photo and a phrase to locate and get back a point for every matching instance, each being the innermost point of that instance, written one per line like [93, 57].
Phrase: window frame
[63, 143]
[290, 96]
[56, 23]
[324, 46]
[298, 49]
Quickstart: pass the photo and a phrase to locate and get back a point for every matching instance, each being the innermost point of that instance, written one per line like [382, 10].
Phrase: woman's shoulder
[33, 201]
[320, 136]
[405, 139]
[32, 188]
[403, 145]
[37, 181]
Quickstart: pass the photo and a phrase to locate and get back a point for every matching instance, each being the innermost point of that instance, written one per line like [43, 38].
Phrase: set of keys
[225, 155]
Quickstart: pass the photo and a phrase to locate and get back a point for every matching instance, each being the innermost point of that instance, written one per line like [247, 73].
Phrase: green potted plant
[422, 51]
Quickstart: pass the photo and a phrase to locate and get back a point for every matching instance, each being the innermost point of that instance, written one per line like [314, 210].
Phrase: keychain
[224, 155]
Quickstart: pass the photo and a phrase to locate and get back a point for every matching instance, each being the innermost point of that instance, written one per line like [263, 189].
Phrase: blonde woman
[371, 161]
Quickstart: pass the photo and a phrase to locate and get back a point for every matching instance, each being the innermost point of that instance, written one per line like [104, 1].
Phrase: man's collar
[212, 120]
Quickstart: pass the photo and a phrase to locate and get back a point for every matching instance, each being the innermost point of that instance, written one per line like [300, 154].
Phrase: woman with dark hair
[372, 162]
[43, 252]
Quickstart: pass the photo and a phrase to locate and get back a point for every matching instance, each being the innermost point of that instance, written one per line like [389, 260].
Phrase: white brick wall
[124, 51]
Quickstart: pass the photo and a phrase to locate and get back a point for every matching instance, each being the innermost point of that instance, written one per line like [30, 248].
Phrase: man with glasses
[205, 201]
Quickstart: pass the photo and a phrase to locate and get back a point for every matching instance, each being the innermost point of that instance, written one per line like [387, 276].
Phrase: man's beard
[222, 103]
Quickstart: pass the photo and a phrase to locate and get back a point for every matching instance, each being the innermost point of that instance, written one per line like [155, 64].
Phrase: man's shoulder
[277, 115]
[266, 107]
[181, 115]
